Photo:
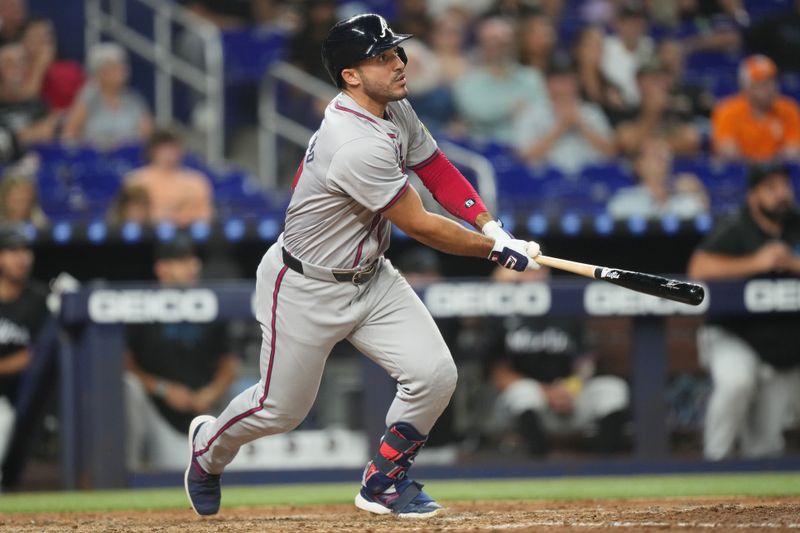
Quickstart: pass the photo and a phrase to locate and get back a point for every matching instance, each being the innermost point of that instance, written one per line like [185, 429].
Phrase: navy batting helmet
[357, 38]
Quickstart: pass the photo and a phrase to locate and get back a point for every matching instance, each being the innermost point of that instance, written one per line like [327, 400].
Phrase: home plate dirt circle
[680, 514]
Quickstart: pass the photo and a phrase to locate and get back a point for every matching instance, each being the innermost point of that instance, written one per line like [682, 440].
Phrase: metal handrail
[273, 125]
[109, 18]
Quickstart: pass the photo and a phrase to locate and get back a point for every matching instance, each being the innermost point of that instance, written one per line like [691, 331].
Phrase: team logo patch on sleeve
[469, 203]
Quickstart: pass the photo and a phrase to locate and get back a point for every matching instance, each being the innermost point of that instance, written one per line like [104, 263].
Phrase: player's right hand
[515, 254]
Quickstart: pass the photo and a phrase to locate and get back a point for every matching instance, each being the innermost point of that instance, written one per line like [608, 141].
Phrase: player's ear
[351, 77]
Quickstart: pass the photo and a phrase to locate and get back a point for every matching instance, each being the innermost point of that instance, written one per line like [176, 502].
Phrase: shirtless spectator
[177, 194]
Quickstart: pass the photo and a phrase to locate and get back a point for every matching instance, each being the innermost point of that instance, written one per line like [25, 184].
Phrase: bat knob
[696, 295]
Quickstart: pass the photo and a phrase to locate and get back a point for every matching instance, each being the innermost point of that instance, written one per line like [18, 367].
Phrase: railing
[108, 18]
[273, 126]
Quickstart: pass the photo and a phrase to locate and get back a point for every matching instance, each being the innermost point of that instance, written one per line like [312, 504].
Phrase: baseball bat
[671, 289]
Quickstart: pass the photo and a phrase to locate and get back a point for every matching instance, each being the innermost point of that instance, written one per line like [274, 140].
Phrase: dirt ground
[684, 514]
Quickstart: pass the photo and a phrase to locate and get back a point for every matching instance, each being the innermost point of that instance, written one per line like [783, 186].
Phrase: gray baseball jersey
[353, 170]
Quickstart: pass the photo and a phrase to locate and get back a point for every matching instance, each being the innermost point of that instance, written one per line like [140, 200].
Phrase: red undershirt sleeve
[449, 187]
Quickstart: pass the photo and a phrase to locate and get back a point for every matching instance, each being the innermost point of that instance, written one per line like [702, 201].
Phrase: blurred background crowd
[629, 108]
[641, 116]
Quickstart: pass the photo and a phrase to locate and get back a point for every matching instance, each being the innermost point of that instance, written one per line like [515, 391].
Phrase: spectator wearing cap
[489, 96]
[655, 117]
[658, 192]
[107, 113]
[759, 123]
[627, 49]
[177, 194]
[175, 371]
[23, 310]
[19, 202]
[564, 131]
[754, 360]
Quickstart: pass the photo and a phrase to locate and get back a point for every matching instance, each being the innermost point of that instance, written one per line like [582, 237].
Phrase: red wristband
[449, 187]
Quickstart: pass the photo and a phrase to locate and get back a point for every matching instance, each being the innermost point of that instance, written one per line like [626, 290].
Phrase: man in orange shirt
[758, 123]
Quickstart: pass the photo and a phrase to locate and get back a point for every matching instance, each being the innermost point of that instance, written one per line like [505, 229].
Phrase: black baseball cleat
[202, 488]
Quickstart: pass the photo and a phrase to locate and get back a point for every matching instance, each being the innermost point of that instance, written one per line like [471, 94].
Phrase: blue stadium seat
[726, 182]
[250, 52]
[758, 9]
[603, 180]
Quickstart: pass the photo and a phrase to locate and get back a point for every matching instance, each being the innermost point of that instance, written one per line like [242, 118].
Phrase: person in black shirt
[23, 310]
[546, 382]
[175, 370]
[754, 360]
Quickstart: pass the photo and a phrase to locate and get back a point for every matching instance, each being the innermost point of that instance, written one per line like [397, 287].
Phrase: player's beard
[390, 92]
[778, 214]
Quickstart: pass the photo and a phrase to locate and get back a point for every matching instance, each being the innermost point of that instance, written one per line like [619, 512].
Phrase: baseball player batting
[326, 279]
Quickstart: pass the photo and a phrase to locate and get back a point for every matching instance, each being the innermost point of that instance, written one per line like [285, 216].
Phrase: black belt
[355, 276]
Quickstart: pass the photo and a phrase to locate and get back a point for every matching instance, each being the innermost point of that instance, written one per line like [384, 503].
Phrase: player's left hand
[494, 230]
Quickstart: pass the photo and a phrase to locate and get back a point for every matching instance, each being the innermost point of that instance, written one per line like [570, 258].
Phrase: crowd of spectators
[568, 85]
[49, 99]
[562, 85]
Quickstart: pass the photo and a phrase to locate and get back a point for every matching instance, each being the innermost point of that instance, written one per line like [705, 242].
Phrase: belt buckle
[362, 276]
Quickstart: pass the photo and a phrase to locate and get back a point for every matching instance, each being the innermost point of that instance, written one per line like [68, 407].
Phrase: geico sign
[604, 299]
[158, 305]
[480, 299]
[766, 295]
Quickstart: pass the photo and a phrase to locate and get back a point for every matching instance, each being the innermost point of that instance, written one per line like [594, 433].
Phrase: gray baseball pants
[301, 320]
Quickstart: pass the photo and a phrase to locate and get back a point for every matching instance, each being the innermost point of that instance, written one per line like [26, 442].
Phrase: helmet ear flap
[402, 55]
